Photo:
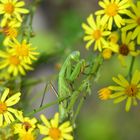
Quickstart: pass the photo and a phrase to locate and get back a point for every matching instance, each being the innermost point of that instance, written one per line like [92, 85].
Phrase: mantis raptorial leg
[69, 72]
[65, 73]
[77, 70]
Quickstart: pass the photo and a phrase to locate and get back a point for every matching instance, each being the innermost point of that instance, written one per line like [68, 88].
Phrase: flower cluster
[124, 90]
[16, 56]
[114, 29]
[26, 127]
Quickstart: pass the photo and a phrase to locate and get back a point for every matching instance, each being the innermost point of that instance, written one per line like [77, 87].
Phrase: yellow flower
[125, 48]
[114, 37]
[112, 10]
[26, 135]
[126, 90]
[133, 23]
[11, 9]
[111, 46]
[25, 123]
[53, 130]
[23, 50]
[104, 93]
[95, 32]
[13, 64]
[10, 30]
[107, 53]
[5, 107]
[25, 127]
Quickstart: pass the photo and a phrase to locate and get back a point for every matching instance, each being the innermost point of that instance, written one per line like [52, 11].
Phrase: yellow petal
[128, 104]
[5, 94]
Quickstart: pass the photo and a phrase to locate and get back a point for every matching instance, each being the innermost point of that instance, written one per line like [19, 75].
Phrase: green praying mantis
[74, 84]
[70, 71]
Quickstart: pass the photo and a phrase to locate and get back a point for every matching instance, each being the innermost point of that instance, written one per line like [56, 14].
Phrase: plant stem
[47, 105]
[78, 109]
[131, 67]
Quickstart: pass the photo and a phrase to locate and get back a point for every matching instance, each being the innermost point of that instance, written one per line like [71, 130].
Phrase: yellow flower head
[104, 93]
[13, 64]
[25, 127]
[10, 30]
[107, 53]
[11, 9]
[25, 124]
[112, 10]
[126, 90]
[23, 50]
[111, 46]
[95, 32]
[125, 48]
[5, 107]
[114, 37]
[53, 130]
[26, 135]
[133, 23]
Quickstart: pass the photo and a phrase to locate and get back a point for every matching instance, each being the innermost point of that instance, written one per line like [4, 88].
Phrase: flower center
[10, 32]
[138, 20]
[14, 60]
[97, 34]
[9, 8]
[131, 90]
[3, 107]
[54, 133]
[22, 50]
[124, 50]
[27, 125]
[112, 9]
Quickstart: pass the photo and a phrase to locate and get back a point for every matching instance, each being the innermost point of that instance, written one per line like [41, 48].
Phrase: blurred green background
[57, 25]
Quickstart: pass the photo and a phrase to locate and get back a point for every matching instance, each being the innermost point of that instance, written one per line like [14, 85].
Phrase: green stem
[28, 29]
[47, 106]
[78, 109]
[131, 67]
